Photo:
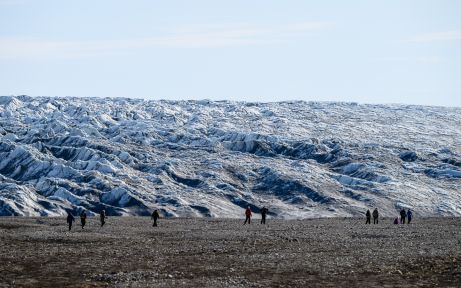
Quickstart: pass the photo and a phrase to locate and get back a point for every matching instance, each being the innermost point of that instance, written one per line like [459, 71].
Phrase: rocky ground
[128, 251]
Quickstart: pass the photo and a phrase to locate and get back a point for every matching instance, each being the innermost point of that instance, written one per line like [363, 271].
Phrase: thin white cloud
[13, 2]
[437, 36]
[224, 36]
[306, 26]
[429, 60]
[422, 59]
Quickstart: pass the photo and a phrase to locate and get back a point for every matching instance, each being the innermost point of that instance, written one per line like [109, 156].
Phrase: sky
[393, 51]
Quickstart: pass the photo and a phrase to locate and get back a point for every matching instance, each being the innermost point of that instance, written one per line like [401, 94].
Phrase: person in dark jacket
[155, 215]
[375, 216]
[102, 217]
[247, 215]
[403, 215]
[368, 215]
[83, 219]
[264, 211]
[70, 219]
[409, 216]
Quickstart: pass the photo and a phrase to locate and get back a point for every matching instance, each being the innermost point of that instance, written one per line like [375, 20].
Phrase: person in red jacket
[248, 215]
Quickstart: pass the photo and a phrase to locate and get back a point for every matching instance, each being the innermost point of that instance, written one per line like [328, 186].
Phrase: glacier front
[213, 158]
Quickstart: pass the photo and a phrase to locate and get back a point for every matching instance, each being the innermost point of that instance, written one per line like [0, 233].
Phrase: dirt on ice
[129, 252]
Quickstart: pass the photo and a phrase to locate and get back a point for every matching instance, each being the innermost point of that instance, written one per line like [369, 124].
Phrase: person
[403, 215]
[102, 217]
[409, 216]
[70, 219]
[375, 216]
[155, 216]
[396, 220]
[264, 211]
[83, 218]
[368, 214]
[248, 215]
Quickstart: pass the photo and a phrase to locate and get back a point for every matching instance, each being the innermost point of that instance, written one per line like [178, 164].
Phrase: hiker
[403, 215]
[70, 219]
[102, 217]
[368, 214]
[247, 215]
[264, 211]
[83, 218]
[375, 216]
[155, 216]
[396, 220]
[409, 216]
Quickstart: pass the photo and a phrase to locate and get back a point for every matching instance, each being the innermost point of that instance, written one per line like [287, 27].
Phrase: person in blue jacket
[409, 216]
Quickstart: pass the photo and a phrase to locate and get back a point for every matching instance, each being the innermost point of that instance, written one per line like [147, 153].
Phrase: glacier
[213, 158]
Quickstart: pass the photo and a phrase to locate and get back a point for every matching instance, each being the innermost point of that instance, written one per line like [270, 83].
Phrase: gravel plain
[129, 252]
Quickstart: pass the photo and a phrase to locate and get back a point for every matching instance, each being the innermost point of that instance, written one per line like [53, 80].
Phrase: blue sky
[362, 51]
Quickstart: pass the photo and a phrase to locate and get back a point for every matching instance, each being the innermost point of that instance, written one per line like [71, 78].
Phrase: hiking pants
[375, 220]
[247, 219]
[263, 219]
[368, 220]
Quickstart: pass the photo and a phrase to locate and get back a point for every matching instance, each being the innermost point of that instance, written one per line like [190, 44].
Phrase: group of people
[156, 215]
[249, 214]
[71, 218]
[375, 216]
[102, 218]
[403, 216]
